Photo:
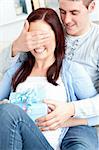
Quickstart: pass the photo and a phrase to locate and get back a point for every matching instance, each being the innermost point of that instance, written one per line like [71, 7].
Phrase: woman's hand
[5, 101]
[60, 112]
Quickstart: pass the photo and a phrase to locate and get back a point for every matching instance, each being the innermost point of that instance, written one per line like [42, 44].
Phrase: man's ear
[91, 6]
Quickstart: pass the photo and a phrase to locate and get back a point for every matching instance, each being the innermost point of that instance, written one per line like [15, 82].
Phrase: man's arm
[88, 108]
[85, 112]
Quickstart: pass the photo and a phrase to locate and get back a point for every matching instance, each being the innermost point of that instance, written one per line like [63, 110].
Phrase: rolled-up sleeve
[88, 108]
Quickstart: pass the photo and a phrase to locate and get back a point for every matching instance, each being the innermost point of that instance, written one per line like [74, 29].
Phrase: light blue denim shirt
[6, 60]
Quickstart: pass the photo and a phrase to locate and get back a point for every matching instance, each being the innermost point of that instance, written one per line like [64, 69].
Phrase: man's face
[75, 17]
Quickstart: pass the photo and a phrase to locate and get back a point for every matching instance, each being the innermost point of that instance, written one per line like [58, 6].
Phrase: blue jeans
[80, 138]
[18, 132]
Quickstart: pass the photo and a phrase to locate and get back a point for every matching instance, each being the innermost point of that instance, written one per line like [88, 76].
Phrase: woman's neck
[40, 67]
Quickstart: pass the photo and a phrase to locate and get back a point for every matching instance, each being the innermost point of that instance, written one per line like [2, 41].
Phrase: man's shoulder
[95, 28]
[94, 36]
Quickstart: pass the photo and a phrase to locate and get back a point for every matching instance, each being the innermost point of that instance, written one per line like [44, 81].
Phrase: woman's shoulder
[13, 68]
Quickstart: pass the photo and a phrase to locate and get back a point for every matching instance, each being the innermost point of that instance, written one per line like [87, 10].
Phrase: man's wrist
[72, 108]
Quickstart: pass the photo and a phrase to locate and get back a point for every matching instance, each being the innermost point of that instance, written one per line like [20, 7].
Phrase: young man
[82, 38]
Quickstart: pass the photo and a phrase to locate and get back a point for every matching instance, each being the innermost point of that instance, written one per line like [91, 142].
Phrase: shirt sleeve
[93, 121]
[6, 60]
[81, 82]
[87, 108]
[5, 83]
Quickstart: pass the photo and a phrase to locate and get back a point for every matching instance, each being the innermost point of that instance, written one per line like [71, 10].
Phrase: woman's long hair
[51, 18]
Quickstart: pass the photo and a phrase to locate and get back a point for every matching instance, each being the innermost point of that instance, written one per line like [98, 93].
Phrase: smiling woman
[39, 78]
[42, 69]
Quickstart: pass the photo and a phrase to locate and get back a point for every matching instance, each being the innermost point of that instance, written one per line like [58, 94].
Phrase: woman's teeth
[39, 50]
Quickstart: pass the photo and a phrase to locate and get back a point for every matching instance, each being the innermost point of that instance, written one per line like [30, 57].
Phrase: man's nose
[67, 18]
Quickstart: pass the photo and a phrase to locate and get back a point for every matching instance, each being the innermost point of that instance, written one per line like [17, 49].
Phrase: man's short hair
[85, 2]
